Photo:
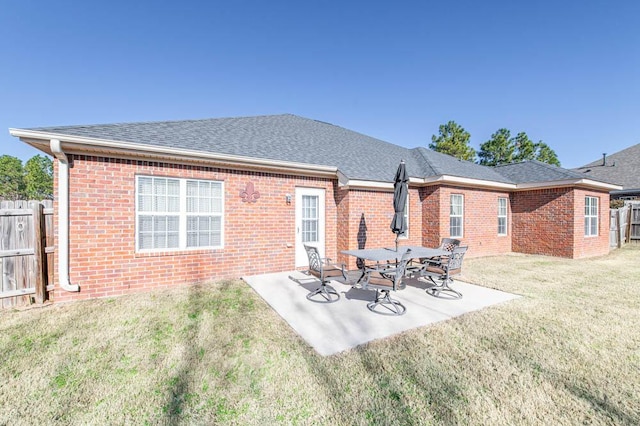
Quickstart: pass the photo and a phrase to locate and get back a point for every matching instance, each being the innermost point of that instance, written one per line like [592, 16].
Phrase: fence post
[619, 230]
[629, 219]
[40, 256]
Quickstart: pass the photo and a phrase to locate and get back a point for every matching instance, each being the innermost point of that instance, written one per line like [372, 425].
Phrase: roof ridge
[422, 151]
[354, 131]
[189, 120]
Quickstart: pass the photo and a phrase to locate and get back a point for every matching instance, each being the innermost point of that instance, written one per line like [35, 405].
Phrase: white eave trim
[446, 179]
[78, 144]
[345, 182]
[568, 182]
[365, 184]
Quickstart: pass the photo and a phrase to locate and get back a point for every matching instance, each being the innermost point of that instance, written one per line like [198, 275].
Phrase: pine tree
[453, 140]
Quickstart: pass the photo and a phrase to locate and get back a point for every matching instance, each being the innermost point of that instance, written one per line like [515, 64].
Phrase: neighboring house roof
[622, 168]
[281, 139]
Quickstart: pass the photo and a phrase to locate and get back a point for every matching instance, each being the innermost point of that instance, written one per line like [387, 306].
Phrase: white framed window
[456, 215]
[502, 216]
[405, 234]
[178, 214]
[590, 216]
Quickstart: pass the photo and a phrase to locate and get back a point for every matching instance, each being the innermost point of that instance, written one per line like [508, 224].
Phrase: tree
[11, 178]
[500, 149]
[38, 178]
[546, 154]
[453, 140]
[525, 148]
[504, 149]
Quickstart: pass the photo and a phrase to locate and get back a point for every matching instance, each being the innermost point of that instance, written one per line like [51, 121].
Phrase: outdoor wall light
[287, 197]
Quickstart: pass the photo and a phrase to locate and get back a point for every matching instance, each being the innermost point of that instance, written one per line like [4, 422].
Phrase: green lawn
[568, 352]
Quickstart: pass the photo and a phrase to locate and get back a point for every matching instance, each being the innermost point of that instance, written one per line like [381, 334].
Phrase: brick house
[155, 204]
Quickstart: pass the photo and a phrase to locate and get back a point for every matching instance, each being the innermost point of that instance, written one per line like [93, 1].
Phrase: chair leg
[387, 305]
[328, 294]
[443, 290]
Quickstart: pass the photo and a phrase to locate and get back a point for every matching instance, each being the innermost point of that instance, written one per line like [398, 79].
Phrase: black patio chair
[323, 269]
[385, 279]
[441, 271]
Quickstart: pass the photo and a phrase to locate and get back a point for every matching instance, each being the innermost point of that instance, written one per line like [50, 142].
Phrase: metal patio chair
[323, 269]
[441, 271]
[385, 279]
[417, 265]
[449, 244]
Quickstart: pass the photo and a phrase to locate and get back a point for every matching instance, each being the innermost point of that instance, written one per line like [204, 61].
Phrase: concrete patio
[334, 327]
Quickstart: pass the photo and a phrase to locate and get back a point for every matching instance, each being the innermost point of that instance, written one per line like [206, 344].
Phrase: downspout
[63, 216]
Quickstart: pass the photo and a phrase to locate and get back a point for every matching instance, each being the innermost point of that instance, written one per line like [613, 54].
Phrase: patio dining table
[385, 254]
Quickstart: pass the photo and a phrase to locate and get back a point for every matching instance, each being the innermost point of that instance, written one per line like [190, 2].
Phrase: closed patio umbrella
[400, 192]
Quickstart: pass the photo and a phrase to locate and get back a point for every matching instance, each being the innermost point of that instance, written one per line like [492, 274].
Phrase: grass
[568, 352]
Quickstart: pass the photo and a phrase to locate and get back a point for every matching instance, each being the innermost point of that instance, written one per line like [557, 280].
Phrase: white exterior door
[309, 222]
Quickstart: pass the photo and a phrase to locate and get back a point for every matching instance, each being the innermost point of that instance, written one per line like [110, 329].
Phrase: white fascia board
[365, 184]
[568, 182]
[346, 183]
[469, 182]
[77, 143]
[442, 179]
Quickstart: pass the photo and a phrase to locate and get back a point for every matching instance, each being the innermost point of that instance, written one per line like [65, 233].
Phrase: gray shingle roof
[437, 164]
[622, 168]
[296, 139]
[535, 171]
[276, 137]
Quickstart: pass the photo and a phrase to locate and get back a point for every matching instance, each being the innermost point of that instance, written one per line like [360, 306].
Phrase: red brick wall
[551, 222]
[260, 237]
[428, 219]
[368, 221]
[431, 231]
[596, 245]
[543, 221]
[343, 231]
[480, 220]
[103, 261]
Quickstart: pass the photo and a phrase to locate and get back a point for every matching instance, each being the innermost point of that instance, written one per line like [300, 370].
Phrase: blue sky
[565, 72]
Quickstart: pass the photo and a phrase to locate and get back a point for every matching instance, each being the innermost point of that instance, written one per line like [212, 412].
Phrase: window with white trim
[178, 214]
[502, 216]
[590, 216]
[456, 215]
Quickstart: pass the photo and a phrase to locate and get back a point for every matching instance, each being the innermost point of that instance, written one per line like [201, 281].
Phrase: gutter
[63, 216]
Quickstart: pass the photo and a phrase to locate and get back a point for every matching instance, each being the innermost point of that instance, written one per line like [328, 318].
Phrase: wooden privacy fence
[634, 223]
[26, 251]
[624, 224]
